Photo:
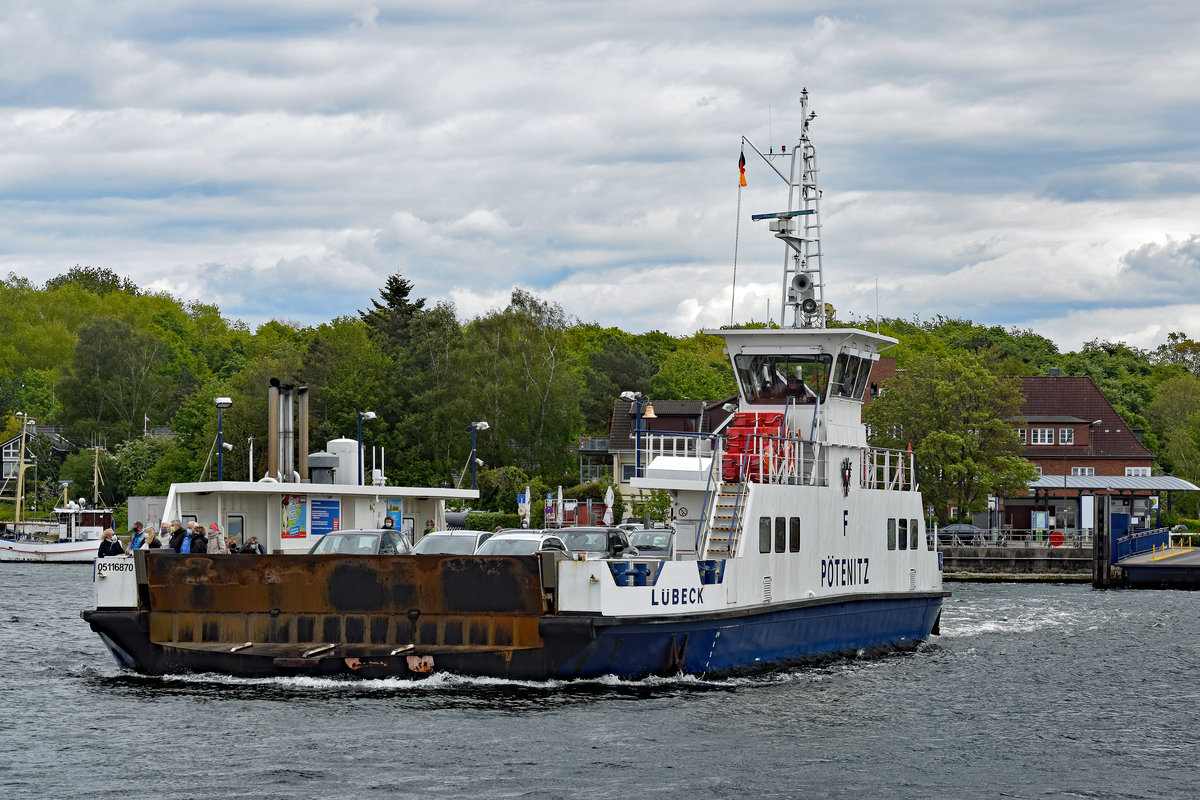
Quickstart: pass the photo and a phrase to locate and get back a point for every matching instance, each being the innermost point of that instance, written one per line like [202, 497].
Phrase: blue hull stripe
[747, 641]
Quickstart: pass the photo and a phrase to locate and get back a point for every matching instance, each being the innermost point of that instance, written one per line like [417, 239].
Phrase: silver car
[457, 543]
[366, 541]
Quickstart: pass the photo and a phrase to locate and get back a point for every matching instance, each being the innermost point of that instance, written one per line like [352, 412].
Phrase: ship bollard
[641, 574]
[620, 572]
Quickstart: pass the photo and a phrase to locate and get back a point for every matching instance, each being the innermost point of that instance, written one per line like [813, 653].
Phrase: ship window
[794, 534]
[902, 524]
[891, 534]
[764, 534]
[782, 378]
[780, 535]
[864, 372]
[915, 527]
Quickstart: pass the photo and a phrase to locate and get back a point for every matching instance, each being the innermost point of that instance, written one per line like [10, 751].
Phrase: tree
[526, 382]
[390, 319]
[97, 280]
[697, 370]
[117, 375]
[956, 416]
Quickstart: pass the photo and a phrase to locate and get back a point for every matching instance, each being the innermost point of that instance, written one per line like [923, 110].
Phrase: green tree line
[106, 361]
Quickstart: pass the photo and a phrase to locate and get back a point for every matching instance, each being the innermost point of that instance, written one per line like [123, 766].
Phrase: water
[1032, 691]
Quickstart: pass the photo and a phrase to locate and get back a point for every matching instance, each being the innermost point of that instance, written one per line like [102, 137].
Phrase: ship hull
[571, 646]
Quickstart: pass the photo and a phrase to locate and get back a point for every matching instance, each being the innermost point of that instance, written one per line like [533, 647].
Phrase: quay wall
[1017, 563]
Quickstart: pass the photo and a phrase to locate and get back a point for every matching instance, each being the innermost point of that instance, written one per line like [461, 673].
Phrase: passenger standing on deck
[139, 536]
[252, 546]
[110, 545]
[197, 538]
[216, 539]
[178, 534]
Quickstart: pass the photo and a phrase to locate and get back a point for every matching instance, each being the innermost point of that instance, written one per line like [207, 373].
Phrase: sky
[1029, 165]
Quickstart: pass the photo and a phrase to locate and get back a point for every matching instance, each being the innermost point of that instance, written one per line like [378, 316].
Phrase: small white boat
[72, 536]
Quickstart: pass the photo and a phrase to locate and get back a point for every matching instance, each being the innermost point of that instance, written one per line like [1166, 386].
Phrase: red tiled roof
[1053, 399]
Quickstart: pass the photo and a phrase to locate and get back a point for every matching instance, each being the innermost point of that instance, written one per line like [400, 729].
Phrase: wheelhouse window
[891, 534]
[1041, 435]
[902, 524]
[1066, 436]
[779, 378]
[850, 373]
[764, 534]
[780, 535]
[794, 534]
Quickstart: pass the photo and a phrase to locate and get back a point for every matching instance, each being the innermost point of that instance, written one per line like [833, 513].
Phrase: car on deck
[523, 543]
[458, 543]
[656, 543]
[364, 541]
[597, 542]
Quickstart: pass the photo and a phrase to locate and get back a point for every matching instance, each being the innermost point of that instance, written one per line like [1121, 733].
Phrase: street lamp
[642, 402]
[221, 403]
[367, 415]
[475, 428]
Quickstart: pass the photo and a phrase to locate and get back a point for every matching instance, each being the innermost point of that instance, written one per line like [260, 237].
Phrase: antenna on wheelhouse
[800, 229]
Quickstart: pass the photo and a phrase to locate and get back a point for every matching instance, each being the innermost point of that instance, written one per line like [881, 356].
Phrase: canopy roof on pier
[1116, 483]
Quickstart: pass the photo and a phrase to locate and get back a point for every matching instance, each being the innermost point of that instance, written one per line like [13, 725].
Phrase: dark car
[375, 541]
[961, 534]
[596, 542]
[457, 543]
[657, 543]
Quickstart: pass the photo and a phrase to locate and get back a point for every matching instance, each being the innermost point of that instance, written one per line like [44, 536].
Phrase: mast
[800, 229]
[21, 465]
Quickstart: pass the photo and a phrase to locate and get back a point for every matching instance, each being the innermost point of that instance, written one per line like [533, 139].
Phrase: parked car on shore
[961, 534]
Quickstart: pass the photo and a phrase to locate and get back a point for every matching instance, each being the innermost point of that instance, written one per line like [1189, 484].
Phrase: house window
[1041, 435]
[1137, 472]
[1083, 470]
[1039, 471]
[1020, 434]
[1066, 436]
[628, 472]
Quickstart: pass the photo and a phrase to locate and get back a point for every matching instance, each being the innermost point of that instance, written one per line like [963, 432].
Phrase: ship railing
[781, 459]
[885, 468]
[31, 530]
[1018, 537]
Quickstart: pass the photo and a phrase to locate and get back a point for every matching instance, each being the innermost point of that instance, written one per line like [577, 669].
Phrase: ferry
[795, 541]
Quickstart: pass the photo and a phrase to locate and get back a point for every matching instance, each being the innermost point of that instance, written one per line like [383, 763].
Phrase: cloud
[1014, 165]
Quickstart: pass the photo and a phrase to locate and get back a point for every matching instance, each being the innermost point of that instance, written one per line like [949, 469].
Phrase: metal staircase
[726, 529]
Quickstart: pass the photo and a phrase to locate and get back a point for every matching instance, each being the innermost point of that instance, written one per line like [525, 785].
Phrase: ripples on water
[1032, 691]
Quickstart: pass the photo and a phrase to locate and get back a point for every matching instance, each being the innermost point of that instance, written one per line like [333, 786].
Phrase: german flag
[742, 169]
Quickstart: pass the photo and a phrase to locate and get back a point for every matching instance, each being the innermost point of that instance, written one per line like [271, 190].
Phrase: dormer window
[1041, 435]
[1066, 436]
